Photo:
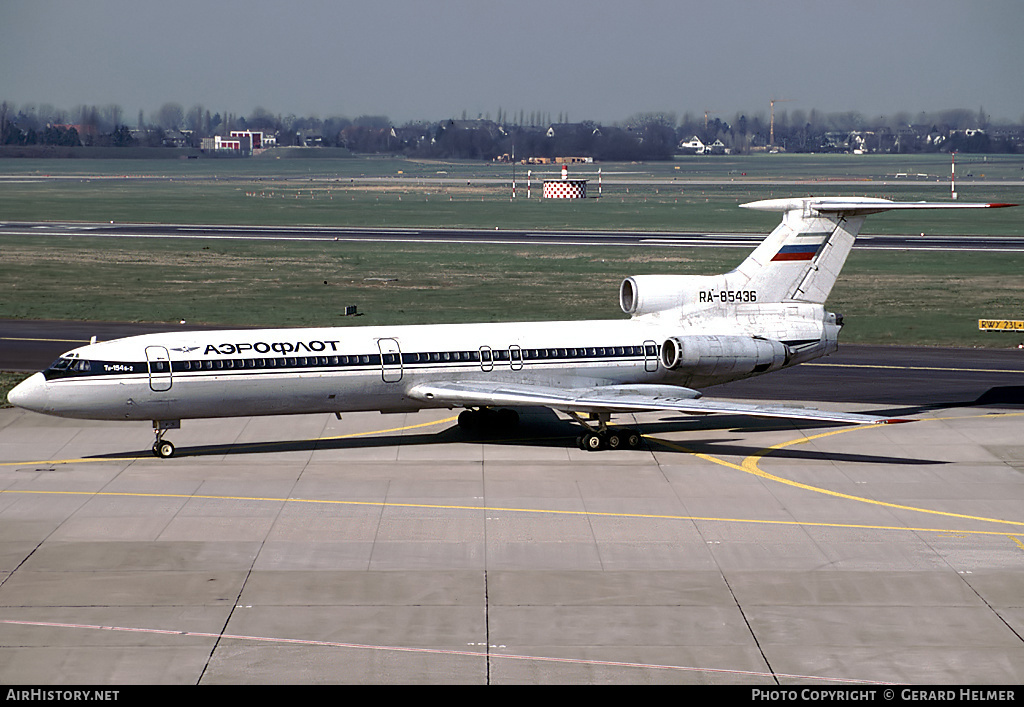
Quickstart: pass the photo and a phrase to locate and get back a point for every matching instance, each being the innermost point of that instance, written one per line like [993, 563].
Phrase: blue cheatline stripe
[78, 368]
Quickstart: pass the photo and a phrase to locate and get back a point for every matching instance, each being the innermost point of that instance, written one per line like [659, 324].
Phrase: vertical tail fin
[801, 259]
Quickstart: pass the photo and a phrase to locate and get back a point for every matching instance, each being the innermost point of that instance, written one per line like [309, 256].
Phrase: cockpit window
[66, 365]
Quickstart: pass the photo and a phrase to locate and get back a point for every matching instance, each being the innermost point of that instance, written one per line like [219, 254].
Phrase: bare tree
[111, 117]
[194, 120]
[170, 116]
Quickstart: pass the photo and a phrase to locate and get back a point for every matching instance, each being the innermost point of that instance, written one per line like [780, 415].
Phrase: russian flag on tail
[799, 251]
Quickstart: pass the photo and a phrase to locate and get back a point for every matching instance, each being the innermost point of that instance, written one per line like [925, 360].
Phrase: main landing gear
[594, 440]
[484, 420]
[490, 421]
[161, 447]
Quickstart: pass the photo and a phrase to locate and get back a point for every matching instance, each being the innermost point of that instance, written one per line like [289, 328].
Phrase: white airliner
[684, 332]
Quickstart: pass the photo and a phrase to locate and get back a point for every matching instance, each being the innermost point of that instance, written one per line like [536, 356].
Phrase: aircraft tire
[613, 440]
[593, 442]
[508, 418]
[163, 449]
[632, 439]
[469, 420]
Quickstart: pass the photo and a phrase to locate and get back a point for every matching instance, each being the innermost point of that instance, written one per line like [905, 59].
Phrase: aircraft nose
[30, 393]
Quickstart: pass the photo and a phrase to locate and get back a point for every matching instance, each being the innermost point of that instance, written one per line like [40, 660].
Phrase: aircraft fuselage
[348, 369]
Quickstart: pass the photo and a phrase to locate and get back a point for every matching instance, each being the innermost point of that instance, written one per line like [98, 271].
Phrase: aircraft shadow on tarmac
[998, 397]
[540, 427]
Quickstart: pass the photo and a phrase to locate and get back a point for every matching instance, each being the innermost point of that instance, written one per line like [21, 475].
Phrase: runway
[392, 549]
[1007, 244]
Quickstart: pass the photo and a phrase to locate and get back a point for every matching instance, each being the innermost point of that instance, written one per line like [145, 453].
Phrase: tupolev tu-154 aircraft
[685, 332]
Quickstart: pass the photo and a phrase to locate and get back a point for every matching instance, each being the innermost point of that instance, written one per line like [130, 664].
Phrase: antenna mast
[773, 101]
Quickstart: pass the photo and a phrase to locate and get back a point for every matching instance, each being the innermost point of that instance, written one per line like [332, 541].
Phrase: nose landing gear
[162, 448]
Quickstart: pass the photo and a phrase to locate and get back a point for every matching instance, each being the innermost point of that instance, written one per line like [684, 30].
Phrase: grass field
[694, 194]
[914, 298]
[887, 297]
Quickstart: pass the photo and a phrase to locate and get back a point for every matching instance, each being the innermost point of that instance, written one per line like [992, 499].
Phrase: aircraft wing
[617, 399]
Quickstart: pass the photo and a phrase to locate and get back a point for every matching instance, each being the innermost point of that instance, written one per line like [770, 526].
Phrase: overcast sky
[589, 59]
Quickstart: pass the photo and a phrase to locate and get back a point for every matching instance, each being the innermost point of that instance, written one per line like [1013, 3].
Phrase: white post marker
[952, 176]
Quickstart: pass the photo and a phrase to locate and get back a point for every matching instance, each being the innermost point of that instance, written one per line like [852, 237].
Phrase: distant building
[309, 138]
[260, 140]
[240, 145]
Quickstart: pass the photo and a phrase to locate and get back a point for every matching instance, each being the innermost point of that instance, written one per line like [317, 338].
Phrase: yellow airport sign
[1000, 325]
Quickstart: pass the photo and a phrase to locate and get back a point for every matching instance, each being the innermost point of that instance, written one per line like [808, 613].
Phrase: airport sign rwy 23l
[1000, 325]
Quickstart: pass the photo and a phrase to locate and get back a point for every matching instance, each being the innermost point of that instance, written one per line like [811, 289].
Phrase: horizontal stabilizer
[858, 205]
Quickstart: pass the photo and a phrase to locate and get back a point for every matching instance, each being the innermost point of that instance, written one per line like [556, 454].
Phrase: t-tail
[797, 263]
[801, 259]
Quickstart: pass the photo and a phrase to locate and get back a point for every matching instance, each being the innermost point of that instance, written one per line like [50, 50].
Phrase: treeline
[643, 136]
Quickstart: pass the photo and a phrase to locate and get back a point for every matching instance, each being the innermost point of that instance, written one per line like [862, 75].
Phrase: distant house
[693, 146]
[936, 137]
[716, 148]
[835, 141]
[573, 130]
[175, 138]
[412, 137]
[858, 141]
[487, 126]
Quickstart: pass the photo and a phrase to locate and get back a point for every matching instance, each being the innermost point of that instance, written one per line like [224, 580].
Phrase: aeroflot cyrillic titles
[684, 332]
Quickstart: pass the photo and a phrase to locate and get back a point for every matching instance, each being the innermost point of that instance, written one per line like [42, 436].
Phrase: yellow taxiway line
[749, 466]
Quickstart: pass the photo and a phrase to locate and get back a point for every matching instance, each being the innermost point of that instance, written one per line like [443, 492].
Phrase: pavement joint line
[434, 651]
